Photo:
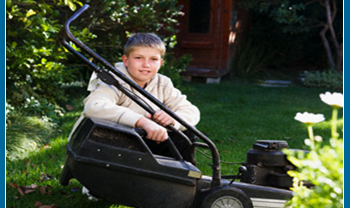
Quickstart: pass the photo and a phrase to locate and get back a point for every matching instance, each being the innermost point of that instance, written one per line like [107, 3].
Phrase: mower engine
[267, 165]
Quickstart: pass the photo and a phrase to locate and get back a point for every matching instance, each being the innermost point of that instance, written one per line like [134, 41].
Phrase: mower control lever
[241, 170]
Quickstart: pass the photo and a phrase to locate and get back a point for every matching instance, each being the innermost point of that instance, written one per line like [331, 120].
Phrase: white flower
[309, 118]
[335, 99]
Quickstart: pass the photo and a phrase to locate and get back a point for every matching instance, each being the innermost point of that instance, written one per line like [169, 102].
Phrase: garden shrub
[38, 67]
[35, 60]
[173, 66]
[330, 79]
[250, 57]
[322, 166]
[114, 21]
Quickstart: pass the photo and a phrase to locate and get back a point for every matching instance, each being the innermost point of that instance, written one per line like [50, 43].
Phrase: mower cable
[223, 162]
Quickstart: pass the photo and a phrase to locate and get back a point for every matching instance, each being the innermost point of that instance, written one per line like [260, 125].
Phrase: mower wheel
[226, 197]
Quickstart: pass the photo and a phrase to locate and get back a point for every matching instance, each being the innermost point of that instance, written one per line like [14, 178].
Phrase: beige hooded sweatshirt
[108, 103]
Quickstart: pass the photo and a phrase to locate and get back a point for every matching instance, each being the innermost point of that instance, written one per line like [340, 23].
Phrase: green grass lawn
[234, 116]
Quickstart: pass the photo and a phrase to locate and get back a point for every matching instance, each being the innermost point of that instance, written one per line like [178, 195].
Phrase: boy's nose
[146, 63]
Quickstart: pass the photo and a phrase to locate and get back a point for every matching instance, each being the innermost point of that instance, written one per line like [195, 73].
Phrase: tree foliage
[302, 23]
[34, 60]
[114, 21]
[38, 67]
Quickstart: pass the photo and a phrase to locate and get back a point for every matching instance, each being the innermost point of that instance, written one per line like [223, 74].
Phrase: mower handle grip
[170, 142]
[140, 132]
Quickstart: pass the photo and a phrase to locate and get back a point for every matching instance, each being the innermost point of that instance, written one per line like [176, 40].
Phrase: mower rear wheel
[226, 197]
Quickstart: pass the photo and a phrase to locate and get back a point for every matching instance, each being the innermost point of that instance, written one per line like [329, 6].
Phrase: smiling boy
[142, 60]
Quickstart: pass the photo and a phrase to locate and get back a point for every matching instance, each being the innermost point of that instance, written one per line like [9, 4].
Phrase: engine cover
[267, 165]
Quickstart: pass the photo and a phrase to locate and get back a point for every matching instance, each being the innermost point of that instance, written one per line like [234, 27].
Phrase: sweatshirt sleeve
[102, 104]
[178, 103]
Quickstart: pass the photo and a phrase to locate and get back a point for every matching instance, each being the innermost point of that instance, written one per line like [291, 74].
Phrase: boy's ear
[125, 60]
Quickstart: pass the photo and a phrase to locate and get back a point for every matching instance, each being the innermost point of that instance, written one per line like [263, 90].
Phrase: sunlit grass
[234, 116]
[25, 135]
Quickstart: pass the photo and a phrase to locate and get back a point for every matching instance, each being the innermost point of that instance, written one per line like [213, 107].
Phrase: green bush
[173, 66]
[37, 66]
[322, 166]
[330, 79]
[250, 57]
[35, 61]
[114, 21]
[293, 27]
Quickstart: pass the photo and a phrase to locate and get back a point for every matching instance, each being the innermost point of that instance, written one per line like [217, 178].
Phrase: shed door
[204, 33]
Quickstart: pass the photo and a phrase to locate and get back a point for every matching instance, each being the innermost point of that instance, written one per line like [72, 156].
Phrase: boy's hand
[161, 118]
[154, 131]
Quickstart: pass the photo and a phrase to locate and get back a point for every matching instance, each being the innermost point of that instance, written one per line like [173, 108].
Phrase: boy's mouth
[144, 71]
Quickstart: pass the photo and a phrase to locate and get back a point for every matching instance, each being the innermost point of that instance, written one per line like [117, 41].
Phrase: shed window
[199, 17]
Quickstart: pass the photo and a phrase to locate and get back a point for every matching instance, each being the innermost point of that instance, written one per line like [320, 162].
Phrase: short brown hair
[150, 40]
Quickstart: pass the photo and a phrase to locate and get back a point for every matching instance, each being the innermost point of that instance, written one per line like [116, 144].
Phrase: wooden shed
[208, 31]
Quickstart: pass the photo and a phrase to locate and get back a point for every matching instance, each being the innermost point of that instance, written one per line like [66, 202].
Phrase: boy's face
[143, 64]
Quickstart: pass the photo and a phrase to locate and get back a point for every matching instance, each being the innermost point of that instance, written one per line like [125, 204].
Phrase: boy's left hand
[161, 118]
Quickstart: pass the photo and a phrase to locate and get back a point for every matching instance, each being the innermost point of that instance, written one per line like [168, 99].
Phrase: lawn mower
[115, 163]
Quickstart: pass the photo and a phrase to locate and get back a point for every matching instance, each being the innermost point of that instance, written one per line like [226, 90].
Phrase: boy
[142, 60]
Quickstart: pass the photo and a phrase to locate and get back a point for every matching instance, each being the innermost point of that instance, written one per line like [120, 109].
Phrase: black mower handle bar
[109, 79]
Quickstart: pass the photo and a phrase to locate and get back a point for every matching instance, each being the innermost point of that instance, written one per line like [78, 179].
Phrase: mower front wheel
[226, 197]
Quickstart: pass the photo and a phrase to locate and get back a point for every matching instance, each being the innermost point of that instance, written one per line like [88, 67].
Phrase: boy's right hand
[154, 131]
